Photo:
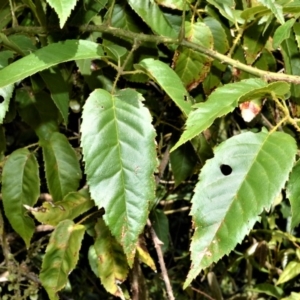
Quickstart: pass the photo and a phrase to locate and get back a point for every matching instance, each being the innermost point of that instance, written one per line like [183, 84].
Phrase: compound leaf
[234, 187]
[119, 153]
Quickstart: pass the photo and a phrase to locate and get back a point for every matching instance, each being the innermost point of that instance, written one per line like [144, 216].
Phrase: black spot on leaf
[226, 170]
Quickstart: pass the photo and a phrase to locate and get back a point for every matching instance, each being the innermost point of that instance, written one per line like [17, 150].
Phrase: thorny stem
[140, 37]
[157, 244]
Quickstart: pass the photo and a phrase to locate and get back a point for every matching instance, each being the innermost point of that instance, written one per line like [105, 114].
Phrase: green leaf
[292, 296]
[47, 57]
[220, 41]
[173, 4]
[160, 225]
[120, 158]
[254, 40]
[151, 14]
[183, 161]
[296, 29]
[191, 66]
[63, 9]
[111, 262]
[73, 205]
[87, 10]
[290, 271]
[234, 187]
[5, 95]
[20, 186]
[282, 33]
[291, 59]
[268, 289]
[168, 81]
[61, 256]
[59, 91]
[5, 57]
[293, 194]
[227, 9]
[38, 111]
[61, 165]
[255, 12]
[222, 101]
[275, 8]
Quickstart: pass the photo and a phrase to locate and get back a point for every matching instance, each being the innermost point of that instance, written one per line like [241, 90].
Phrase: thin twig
[202, 293]
[157, 244]
[119, 32]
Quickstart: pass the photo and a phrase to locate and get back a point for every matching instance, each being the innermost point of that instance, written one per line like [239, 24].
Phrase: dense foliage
[149, 149]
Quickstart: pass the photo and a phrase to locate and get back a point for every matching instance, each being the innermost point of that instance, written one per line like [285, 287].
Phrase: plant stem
[119, 32]
[157, 244]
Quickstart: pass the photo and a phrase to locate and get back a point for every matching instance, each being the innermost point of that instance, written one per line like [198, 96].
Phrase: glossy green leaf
[221, 45]
[5, 95]
[160, 224]
[112, 267]
[61, 165]
[222, 101]
[119, 153]
[243, 179]
[227, 9]
[59, 90]
[61, 256]
[275, 7]
[293, 194]
[290, 271]
[63, 9]
[291, 59]
[151, 14]
[191, 66]
[73, 205]
[38, 111]
[87, 11]
[122, 18]
[168, 81]
[220, 41]
[47, 57]
[254, 40]
[282, 33]
[20, 186]
[183, 161]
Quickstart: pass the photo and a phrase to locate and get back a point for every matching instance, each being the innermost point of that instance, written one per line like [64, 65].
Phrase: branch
[164, 272]
[125, 34]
